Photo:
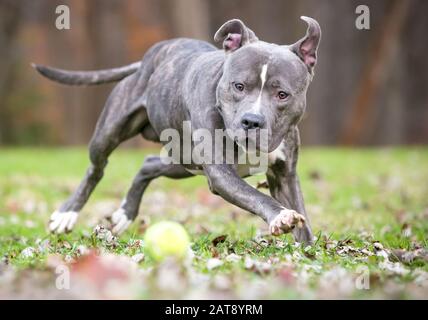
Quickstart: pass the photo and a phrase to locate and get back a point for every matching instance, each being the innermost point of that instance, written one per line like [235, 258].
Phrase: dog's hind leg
[121, 119]
[152, 168]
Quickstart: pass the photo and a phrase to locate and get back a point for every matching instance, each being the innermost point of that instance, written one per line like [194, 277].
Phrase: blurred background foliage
[369, 88]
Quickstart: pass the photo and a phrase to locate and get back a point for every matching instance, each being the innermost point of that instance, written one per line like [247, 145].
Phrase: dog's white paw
[61, 222]
[120, 221]
[286, 221]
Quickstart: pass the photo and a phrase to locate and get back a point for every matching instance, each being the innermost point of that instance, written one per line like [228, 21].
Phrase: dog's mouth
[243, 143]
[248, 144]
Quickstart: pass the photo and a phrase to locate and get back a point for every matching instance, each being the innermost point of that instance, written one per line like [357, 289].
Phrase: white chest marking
[263, 79]
[277, 154]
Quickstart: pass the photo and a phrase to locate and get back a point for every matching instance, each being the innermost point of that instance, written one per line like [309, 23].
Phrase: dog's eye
[282, 95]
[239, 86]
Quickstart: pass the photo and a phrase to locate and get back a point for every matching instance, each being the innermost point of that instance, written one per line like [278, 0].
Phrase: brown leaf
[65, 245]
[310, 255]
[344, 241]
[214, 252]
[315, 175]
[219, 239]
[262, 185]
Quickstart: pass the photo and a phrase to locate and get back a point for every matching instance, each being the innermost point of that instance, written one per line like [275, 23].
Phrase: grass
[367, 207]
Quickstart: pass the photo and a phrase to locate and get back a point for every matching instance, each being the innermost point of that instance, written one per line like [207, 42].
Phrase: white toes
[117, 215]
[286, 221]
[72, 221]
[121, 227]
[54, 222]
[120, 221]
[54, 215]
[61, 222]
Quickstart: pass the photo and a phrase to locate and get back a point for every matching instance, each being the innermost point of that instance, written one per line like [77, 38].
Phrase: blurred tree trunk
[188, 18]
[375, 72]
[415, 77]
[10, 19]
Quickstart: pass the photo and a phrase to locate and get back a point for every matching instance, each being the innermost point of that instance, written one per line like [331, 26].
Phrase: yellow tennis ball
[165, 239]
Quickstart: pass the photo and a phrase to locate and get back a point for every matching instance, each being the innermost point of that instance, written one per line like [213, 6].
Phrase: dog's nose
[252, 121]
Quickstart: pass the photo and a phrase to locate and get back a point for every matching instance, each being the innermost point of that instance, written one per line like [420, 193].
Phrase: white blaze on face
[263, 79]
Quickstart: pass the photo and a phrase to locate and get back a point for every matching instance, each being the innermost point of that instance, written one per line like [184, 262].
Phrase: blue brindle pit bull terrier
[249, 84]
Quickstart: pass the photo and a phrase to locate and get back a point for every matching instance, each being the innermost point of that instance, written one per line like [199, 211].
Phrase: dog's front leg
[284, 182]
[225, 181]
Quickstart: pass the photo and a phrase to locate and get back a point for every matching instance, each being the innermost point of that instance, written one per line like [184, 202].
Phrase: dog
[249, 84]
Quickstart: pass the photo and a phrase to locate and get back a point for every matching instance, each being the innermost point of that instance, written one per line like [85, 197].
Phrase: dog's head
[264, 85]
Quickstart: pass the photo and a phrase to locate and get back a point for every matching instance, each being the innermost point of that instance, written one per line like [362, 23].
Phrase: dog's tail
[87, 77]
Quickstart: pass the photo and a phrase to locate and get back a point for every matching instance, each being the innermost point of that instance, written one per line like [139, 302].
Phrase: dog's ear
[306, 48]
[234, 34]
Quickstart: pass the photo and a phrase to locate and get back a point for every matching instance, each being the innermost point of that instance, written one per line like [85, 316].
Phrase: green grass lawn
[368, 209]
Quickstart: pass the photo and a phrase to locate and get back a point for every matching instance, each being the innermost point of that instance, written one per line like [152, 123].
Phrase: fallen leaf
[28, 252]
[66, 245]
[377, 246]
[105, 235]
[219, 239]
[233, 257]
[214, 252]
[69, 259]
[135, 243]
[262, 185]
[214, 263]
[138, 257]
[43, 246]
[82, 250]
